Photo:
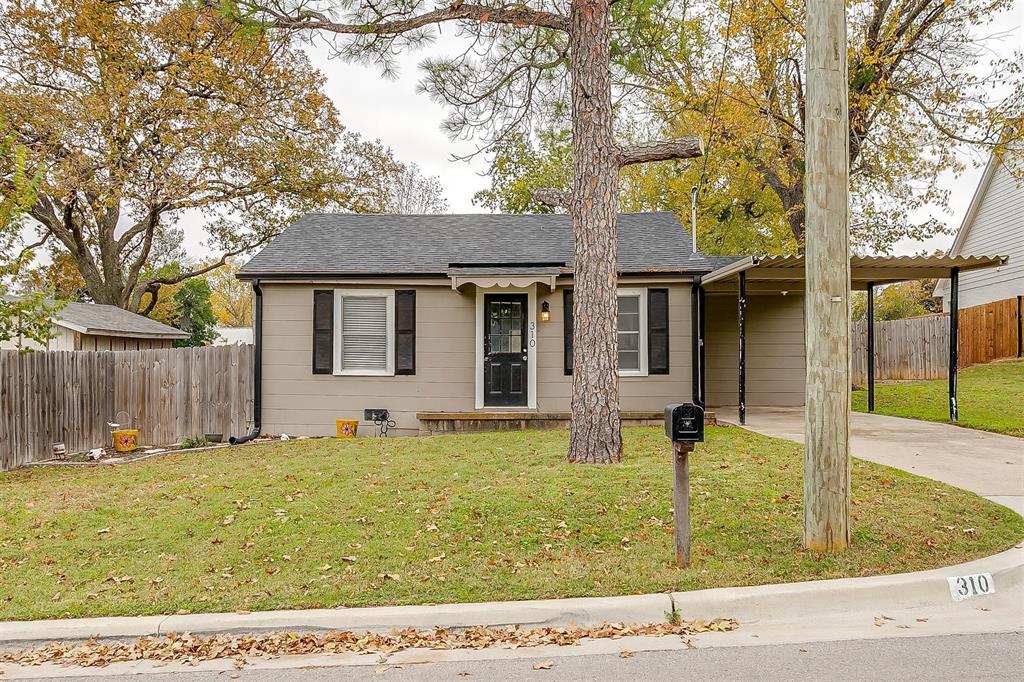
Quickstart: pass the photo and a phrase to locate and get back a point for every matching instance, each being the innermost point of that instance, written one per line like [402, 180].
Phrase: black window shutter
[323, 331]
[405, 331]
[657, 331]
[567, 333]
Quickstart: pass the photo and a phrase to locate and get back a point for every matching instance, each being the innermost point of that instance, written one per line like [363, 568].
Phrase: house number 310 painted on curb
[966, 586]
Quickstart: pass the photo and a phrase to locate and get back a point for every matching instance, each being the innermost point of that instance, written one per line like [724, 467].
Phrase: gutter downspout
[257, 369]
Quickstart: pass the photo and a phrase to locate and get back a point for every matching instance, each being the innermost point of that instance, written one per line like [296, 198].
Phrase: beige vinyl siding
[775, 350]
[637, 394]
[298, 402]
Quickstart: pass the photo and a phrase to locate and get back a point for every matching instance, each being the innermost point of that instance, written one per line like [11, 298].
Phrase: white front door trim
[531, 344]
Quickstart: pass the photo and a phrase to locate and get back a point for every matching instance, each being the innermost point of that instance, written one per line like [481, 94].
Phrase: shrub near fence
[48, 397]
[918, 347]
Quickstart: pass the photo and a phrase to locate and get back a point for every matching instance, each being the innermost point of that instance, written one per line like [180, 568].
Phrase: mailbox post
[684, 426]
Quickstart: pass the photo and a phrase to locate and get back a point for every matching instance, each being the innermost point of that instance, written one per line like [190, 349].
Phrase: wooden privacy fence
[918, 347]
[48, 397]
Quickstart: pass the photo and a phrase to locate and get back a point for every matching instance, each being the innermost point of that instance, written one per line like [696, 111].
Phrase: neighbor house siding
[637, 394]
[65, 339]
[102, 342]
[775, 365]
[296, 401]
[996, 229]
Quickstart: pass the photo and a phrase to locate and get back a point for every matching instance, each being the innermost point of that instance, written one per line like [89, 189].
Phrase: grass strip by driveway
[324, 523]
[990, 398]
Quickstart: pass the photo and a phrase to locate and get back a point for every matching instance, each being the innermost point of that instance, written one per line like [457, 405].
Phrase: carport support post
[743, 347]
[681, 501]
[954, 338]
[871, 346]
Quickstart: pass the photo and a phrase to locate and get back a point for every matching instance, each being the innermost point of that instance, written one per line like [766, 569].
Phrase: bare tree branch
[556, 198]
[662, 150]
[457, 11]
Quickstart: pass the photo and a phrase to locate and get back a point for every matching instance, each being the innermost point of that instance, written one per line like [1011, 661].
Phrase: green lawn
[323, 523]
[990, 398]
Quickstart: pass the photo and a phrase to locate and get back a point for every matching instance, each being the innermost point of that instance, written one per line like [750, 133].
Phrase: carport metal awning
[786, 273]
[864, 270]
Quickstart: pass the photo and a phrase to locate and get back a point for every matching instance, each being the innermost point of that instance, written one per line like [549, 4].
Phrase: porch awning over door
[518, 277]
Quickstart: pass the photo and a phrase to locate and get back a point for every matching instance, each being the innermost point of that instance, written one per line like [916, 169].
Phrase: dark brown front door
[505, 358]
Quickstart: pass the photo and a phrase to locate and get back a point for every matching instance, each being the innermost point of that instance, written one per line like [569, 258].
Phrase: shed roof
[108, 320]
[340, 244]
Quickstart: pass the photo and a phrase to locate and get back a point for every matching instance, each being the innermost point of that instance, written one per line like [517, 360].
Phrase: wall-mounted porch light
[545, 311]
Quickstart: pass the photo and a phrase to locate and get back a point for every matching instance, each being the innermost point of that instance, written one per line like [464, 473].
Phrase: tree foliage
[920, 88]
[231, 297]
[141, 111]
[27, 316]
[194, 313]
[899, 301]
[920, 91]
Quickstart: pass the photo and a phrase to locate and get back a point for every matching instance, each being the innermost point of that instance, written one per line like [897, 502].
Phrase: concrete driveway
[989, 464]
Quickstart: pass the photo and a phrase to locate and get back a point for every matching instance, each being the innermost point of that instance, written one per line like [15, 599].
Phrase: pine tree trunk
[595, 434]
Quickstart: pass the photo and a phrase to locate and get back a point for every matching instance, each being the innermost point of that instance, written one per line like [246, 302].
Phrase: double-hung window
[364, 326]
[632, 328]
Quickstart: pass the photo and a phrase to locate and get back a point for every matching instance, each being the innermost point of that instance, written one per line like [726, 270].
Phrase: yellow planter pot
[126, 440]
[346, 428]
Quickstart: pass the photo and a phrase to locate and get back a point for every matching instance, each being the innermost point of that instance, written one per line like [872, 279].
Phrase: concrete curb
[921, 589]
[760, 603]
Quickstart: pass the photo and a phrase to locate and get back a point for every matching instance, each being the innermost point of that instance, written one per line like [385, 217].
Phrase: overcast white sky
[407, 121]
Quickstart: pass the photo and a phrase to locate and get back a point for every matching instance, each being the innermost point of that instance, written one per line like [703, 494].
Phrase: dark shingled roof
[338, 244]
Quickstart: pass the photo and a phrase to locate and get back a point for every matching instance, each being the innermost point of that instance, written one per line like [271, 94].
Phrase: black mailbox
[684, 423]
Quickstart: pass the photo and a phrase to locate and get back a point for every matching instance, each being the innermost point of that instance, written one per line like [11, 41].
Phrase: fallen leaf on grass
[101, 531]
[228, 520]
[543, 665]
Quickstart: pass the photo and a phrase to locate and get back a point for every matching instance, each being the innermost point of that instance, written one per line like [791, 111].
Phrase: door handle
[524, 357]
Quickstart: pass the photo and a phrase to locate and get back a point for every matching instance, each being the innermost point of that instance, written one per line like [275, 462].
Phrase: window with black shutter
[405, 331]
[567, 330]
[657, 331]
[323, 331]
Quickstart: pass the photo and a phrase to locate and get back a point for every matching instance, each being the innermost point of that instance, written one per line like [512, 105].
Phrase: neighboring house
[227, 336]
[90, 326]
[994, 223]
[456, 322]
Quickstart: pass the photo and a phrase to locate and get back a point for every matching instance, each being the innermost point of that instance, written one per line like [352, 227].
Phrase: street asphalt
[954, 657]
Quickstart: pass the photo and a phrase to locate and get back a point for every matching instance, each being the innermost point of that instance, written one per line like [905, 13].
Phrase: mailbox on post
[684, 426]
[684, 423]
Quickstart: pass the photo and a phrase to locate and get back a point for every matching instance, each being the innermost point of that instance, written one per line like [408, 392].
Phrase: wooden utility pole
[827, 250]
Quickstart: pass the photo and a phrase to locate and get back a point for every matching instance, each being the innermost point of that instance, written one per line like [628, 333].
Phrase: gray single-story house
[92, 326]
[451, 321]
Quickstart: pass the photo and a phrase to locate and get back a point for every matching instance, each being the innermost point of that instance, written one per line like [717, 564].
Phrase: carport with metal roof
[781, 274]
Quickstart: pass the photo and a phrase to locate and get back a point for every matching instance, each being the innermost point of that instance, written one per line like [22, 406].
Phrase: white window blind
[364, 333]
[632, 329]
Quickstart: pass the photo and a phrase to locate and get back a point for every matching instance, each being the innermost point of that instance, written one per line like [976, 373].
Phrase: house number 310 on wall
[533, 334]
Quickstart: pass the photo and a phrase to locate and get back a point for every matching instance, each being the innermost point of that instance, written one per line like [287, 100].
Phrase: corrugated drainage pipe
[257, 369]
